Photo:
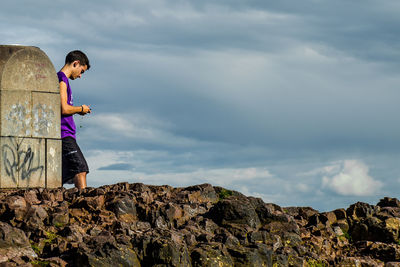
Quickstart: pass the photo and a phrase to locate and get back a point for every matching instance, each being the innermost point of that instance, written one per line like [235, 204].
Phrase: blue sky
[295, 102]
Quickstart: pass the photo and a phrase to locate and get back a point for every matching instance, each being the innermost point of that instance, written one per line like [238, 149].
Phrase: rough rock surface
[142, 225]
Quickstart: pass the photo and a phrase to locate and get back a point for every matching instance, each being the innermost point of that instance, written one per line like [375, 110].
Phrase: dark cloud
[188, 85]
[117, 167]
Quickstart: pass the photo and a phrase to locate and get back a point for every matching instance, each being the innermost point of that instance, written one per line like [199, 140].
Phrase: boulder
[389, 202]
[14, 243]
[360, 210]
[124, 208]
[234, 211]
[260, 255]
[210, 256]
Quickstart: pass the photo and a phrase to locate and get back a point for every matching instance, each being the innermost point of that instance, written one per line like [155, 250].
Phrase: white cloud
[303, 188]
[118, 124]
[225, 177]
[132, 127]
[353, 179]
[102, 158]
[334, 167]
[159, 168]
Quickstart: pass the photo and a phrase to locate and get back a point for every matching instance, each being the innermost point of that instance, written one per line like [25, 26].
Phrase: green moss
[59, 225]
[315, 263]
[51, 236]
[225, 193]
[36, 248]
[347, 236]
[38, 263]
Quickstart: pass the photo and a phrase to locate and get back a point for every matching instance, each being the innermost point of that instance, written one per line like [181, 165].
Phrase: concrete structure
[30, 138]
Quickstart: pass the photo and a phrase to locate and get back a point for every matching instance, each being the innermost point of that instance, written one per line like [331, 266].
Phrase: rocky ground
[142, 225]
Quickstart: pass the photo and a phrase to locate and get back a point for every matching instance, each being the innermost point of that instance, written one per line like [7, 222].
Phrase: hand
[85, 110]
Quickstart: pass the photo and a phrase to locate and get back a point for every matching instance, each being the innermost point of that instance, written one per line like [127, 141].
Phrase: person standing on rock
[74, 165]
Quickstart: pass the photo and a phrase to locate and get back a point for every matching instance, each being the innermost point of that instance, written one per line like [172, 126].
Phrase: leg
[80, 180]
[73, 163]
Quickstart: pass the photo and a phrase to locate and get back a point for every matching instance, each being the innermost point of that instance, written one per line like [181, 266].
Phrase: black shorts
[73, 161]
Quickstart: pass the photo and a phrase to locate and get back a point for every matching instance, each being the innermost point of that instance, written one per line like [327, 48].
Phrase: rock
[14, 243]
[166, 252]
[389, 202]
[173, 212]
[190, 211]
[338, 231]
[17, 207]
[340, 214]
[343, 224]
[301, 212]
[91, 204]
[144, 225]
[392, 264]
[73, 233]
[209, 256]
[202, 193]
[374, 229]
[381, 251]
[161, 223]
[265, 212]
[60, 216]
[360, 210]
[16, 202]
[280, 227]
[257, 256]
[388, 212]
[35, 217]
[122, 256]
[190, 239]
[234, 211]
[230, 240]
[55, 261]
[124, 208]
[362, 262]
[31, 197]
[328, 218]
[291, 239]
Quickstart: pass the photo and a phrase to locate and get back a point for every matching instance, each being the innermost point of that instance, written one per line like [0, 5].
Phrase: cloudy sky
[296, 102]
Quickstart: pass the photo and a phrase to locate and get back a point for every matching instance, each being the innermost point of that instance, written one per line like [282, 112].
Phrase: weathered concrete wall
[29, 119]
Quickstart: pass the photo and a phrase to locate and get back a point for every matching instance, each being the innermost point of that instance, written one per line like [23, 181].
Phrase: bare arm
[67, 109]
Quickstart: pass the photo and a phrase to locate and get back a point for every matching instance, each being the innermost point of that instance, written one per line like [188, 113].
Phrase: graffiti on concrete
[52, 160]
[43, 117]
[19, 117]
[39, 67]
[18, 161]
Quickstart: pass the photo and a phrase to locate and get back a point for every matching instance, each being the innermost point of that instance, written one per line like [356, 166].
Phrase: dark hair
[77, 55]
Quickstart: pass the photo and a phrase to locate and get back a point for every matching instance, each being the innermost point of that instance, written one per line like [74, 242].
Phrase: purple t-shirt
[68, 127]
